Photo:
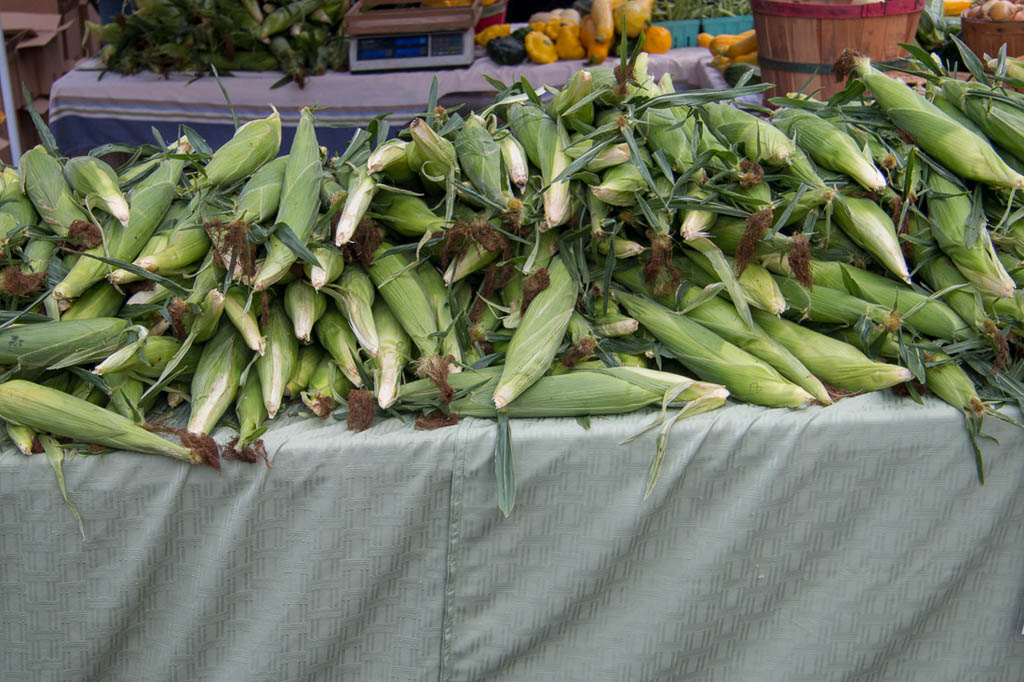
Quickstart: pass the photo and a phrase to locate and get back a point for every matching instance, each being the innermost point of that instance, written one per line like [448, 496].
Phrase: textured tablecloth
[86, 112]
[852, 542]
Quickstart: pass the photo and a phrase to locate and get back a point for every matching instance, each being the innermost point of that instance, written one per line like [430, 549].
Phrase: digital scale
[397, 34]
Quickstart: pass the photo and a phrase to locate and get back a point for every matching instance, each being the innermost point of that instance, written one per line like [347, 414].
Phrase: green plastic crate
[717, 26]
[684, 32]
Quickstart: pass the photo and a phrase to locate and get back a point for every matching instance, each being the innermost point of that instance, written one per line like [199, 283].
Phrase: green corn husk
[100, 300]
[722, 319]
[13, 201]
[261, 195]
[715, 359]
[409, 216]
[148, 202]
[276, 365]
[391, 158]
[623, 248]
[435, 157]
[942, 138]
[474, 259]
[156, 243]
[393, 354]
[827, 305]
[544, 141]
[611, 155]
[332, 265]
[326, 387]
[202, 325]
[759, 139]
[401, 289]
[244, 320]
[952, 216]
[728, 233]
[45, 344]
[336, 337]
[42, 179]
[512, 292]
[872, 229]
[525, 120]
[215, 382]
[829, 146]
[538, 336]
[354, 298]
[147, 357]
[759, 289]
[836, 363]
[300, 201]
[250, 411]
[126, 396]
[934, 318]
[580, 85]
[696, 221]
[940, 273]
[999, 120]
[185, 246]
[362, 186]
[22, 437]
[437, 293]
[251, 146]
[480, 158]
[305, 365]
[48, 410]
[304, 305]
[620, 185]
[92, 177]
[951, 110]
[513, 158]
[581, 392]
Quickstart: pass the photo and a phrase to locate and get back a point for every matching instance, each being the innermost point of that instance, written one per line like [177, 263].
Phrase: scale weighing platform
[396, 34]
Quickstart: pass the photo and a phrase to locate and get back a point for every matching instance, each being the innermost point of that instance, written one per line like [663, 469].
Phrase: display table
[852, 542]
[86, 112]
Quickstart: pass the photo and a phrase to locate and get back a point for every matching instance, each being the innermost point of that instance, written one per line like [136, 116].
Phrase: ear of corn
[90, 176]
[829, 146]
[147, 357]
[951, 214]
[148, 202]
[327, 386]
[300, 201]
[304, 306]
[43, 181]
[391, 159]
[759, 140]
[276, 365]
[46, 344]
[250, 410]
[45, 409]
[261, 195]
[513, 157]
[999, 121]
[361, 189]
[758, 287]
[392, 356]
[332, 264]
[966, 154]
[308, 359]
[334, 334]
[156, 243]
[620, 185]
[354, 297]
[828, 305]
[437, 293]
[202, 325]
[22, 437]
[480, 158]
[869, 226]
[407, 215]
[715, 359]
[185, 246]
[100, 300]
[538, 336]
[400, 287]
[126, 396]
[242, 315]
[216, 379]
[252, 145]
[437, 159]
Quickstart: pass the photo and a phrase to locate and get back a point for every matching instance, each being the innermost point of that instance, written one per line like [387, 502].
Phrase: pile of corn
[582, 256]
[297, 37]
[729, 49]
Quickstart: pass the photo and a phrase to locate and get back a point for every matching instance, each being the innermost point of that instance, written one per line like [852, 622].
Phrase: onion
[1002, 10]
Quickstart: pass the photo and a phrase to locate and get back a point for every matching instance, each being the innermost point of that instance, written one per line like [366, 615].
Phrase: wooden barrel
[799, 41]
[986, 37]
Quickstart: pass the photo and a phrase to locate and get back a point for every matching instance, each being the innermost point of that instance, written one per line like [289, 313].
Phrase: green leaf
[432, 102]
[504, 470]
[169, 284]
[45, 136]
[55, 455]
[196, 140]
[227, 98]
[971, 61]
[289, 239]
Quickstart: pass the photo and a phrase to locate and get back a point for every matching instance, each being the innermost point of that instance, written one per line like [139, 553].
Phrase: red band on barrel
[808, 11]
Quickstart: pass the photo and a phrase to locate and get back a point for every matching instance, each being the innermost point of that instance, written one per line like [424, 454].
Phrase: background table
[844, 543]
[86, 112]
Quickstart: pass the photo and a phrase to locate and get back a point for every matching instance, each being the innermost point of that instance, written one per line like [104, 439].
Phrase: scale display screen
[398, 47]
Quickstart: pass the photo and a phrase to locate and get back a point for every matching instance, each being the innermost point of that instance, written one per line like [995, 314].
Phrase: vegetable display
[619, 246]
